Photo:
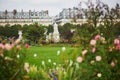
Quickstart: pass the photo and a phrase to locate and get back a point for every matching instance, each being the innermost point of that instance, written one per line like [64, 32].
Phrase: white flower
[8, 58]
[26, 66]
[35, 55]
[101, 34]
[54, 63]
[49, 60]
[98, 58]
[99, 74]
[63, 48]
[43, 63]
[102, 39]
[18, 56]
[92, 62]
[58, 52]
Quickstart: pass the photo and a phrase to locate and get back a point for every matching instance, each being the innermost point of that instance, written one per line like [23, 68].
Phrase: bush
[12, 57]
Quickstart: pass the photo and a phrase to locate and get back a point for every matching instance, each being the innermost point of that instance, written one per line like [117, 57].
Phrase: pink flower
[2, 46]
[84, 52]
[17, 41]
[97, 37]
[116, 41]
[18, 47]
[93, 42]
[27, 45]
[12, 45]
[93, 50]
[98, 58]
[8, 47]
[118, 47]
[112, 64]
[79, 59]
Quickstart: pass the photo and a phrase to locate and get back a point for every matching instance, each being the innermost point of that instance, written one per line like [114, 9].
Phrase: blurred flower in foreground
[63, 48]
[58, 52]
[26, 66]
[49, 60]
[8, 58]
[1, 51]
[97, 37]
[54, 63]
[98, 58]
[94, 50]
[18, 56]
[18, 47]
[112, 64]
[93, 42]
[27, 45]
[8, 47]
[2, 46]
[43, 63]
[92, 62]
[79, 59]
[12, 45]
[35, 55]
[116, 41]
[118, 47]
[99, 74]
[84, 52]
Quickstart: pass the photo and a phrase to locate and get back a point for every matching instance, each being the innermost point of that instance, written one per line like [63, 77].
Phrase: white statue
[56, 37]
[20, 34]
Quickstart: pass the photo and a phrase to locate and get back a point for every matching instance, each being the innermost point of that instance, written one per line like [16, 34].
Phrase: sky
[54, 6]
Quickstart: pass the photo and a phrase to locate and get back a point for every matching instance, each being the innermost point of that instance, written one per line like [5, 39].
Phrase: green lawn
[44, 53]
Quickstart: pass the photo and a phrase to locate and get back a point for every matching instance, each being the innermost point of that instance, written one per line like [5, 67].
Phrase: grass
[44, 53]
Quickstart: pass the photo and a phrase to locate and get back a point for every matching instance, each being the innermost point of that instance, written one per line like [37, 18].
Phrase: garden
[90, 52]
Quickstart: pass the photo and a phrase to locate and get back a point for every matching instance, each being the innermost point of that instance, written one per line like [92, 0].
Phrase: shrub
[12, 57]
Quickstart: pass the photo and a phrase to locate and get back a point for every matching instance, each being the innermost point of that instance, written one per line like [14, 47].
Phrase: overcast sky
[54, 6]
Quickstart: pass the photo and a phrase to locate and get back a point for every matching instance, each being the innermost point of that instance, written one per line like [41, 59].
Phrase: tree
[65, 32]
[34, 33]
[94, 12]
[50, 29]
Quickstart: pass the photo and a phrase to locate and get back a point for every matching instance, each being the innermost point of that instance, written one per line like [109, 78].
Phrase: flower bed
[98, 60]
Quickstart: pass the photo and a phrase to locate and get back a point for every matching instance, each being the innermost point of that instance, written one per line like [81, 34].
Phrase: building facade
[14, 17]
[44, 14]
[70, 13]
[73, 15]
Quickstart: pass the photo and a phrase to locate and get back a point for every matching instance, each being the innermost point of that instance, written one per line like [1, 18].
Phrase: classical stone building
[69, 13]
[24, 17]
[73, 15]
[24, 14]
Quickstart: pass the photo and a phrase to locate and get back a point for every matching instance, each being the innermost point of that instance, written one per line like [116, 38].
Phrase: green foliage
[9, 31]
[12, 62]
[34, 33]
[65, 32]
[50, 29]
